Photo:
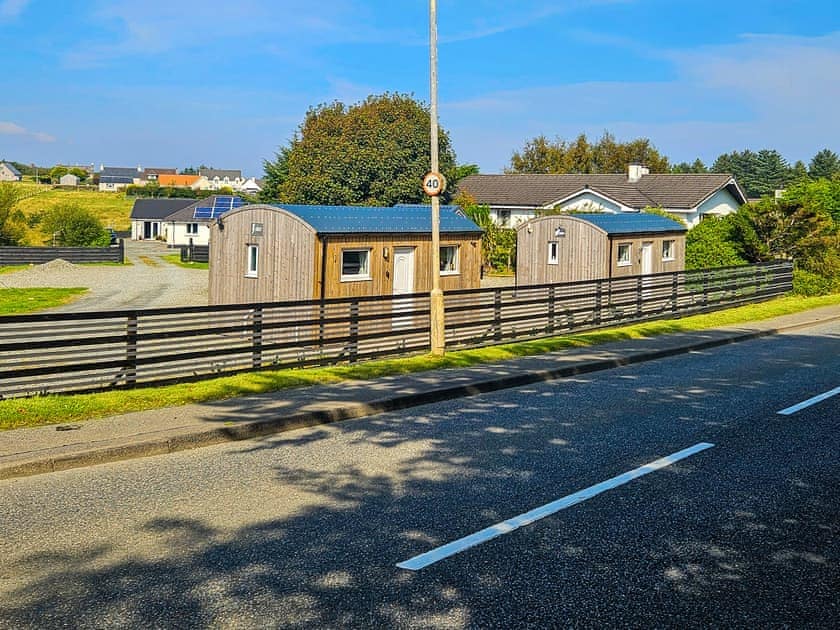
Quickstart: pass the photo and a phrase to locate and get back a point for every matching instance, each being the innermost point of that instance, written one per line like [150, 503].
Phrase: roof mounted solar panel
[220, 205]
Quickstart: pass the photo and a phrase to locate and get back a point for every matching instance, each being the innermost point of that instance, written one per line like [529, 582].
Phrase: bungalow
[571, 247]
[268, 253]
[179, 221]
[113, 178]
[516, 198]
[8, 173]
[148, 216]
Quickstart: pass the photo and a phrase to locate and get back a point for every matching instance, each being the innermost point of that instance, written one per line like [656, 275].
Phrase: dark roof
[119, 171]
[376, 220]
[188, 213]
[682, 191]
[160, 171]
[12, 168]
[158, 208]
[630, 222]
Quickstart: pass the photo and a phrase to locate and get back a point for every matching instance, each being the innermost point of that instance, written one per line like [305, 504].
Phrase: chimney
[635, 172]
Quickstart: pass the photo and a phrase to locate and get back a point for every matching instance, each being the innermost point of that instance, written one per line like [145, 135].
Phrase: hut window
[624, 255]
[355, 264]
[668, 250]
[253, 258]
[449, 259]
[553, 252]
[256, 229]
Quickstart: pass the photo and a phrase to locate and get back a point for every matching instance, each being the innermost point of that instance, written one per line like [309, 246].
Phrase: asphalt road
[305, 529]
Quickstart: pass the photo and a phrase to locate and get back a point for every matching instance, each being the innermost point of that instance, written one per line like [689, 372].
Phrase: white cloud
[10, 9]
[12, 129]
[766, 91]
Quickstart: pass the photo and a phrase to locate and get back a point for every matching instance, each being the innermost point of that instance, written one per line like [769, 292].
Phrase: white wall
[176, 234]
[590, 202]
[517, 215]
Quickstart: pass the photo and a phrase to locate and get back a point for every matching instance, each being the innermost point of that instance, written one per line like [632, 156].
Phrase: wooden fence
[41, 255]
[50, 353]
[195, 253]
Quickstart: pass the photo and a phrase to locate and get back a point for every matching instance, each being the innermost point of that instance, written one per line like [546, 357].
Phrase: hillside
[113, 209]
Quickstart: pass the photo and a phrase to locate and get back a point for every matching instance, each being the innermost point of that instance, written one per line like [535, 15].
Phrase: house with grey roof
[215, 179]
[113, 178]
[148, 216]
[8, 173]
[270, 253]
[514, 198]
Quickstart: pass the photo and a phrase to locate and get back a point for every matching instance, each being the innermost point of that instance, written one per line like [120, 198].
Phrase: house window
[504, 218]
[253, 259]
[256, 229]
[624, 255]
[192, 228]
[553, 252]
[668, 250]
[355, 264]
[448, 260]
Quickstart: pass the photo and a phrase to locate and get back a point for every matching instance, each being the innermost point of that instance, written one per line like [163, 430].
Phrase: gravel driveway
[147, 282]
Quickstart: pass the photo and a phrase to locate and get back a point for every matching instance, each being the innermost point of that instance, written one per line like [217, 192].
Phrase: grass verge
[175, 259]
[53, 409]
[21, 301]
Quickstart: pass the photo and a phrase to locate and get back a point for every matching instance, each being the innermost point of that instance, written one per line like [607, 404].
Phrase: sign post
[433, 182]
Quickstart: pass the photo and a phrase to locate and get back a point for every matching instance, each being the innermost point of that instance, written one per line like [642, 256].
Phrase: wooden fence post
[551, 309]
[598, 298]
[638, 296]
[674, 291]
[497, 314]
[131, 349]
[353, 346]
[257, 337]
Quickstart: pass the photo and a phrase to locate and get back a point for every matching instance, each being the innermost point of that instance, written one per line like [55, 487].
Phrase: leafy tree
[461, 171]
[374, 152]
[190, 170]
[70, 225]
[541, 155]
[710, 244]
[498, 244]
[825, 164]
[276, 173]
[695, 167]
[823, 195]
[57, 172]
[798, 173]
[81, 173]
[12, 220]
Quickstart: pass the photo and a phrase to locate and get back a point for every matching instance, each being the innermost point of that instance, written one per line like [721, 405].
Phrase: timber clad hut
[571, 247]
[276, 253]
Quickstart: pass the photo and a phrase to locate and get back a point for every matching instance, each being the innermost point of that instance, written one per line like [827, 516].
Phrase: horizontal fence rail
[51, 353]
[42, 255]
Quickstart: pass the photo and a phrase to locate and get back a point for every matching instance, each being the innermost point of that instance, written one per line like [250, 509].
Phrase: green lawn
[112, 209]
[21, 301]
[175, 259]
[41, 410]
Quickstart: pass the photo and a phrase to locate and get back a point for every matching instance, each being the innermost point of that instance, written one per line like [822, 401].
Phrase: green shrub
[811, 284]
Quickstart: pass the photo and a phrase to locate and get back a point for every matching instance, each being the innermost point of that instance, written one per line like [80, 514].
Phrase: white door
[647, 258]
[403, 284]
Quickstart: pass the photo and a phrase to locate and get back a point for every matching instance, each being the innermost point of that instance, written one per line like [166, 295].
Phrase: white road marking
[809, 402]
[450, 549]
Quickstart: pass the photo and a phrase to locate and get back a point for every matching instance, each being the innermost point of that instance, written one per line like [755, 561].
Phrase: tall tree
[825, 164]
[759, 173]
[607, 155]
[374, 152]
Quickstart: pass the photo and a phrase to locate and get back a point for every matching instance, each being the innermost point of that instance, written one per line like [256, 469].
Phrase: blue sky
[180, 83]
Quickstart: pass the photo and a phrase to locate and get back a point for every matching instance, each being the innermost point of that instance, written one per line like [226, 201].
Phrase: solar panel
[221, 204]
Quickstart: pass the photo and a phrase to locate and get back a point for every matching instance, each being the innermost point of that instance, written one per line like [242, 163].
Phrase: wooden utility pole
[437, 331]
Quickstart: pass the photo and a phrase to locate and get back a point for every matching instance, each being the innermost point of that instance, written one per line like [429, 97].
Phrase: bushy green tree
[606, 155]
[12, 220]
[374, 152]
[711, 244]
[695, 167]
[70, 225]
[498, 244]
[759, 173]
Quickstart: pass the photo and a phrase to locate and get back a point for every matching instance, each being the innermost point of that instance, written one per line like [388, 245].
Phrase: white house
[179, 221]
[519, 197]
[9, 173]
[215, 179]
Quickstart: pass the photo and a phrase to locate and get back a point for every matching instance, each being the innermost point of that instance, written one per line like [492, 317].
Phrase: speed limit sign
[434, 184]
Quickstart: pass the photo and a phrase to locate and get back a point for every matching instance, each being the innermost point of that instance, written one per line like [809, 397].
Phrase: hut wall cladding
[583, 253]
[285, 266]
[658, 264]
[381, 280]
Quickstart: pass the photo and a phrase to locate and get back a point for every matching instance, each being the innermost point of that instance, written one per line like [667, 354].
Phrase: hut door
[647, 269]
[403, 284]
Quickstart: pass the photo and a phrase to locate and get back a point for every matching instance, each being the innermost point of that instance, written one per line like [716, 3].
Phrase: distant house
[148, 216]
[152, 174]
[250, 186]
[113, 178]
[68, 180]
[572, 247]
[179, 221]
[516, 198]
[177, 181]
[267, 253]
[8, 173]
[214, 179]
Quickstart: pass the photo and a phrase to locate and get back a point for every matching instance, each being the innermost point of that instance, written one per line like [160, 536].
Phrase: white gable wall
[720, 204]
[590, 202]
